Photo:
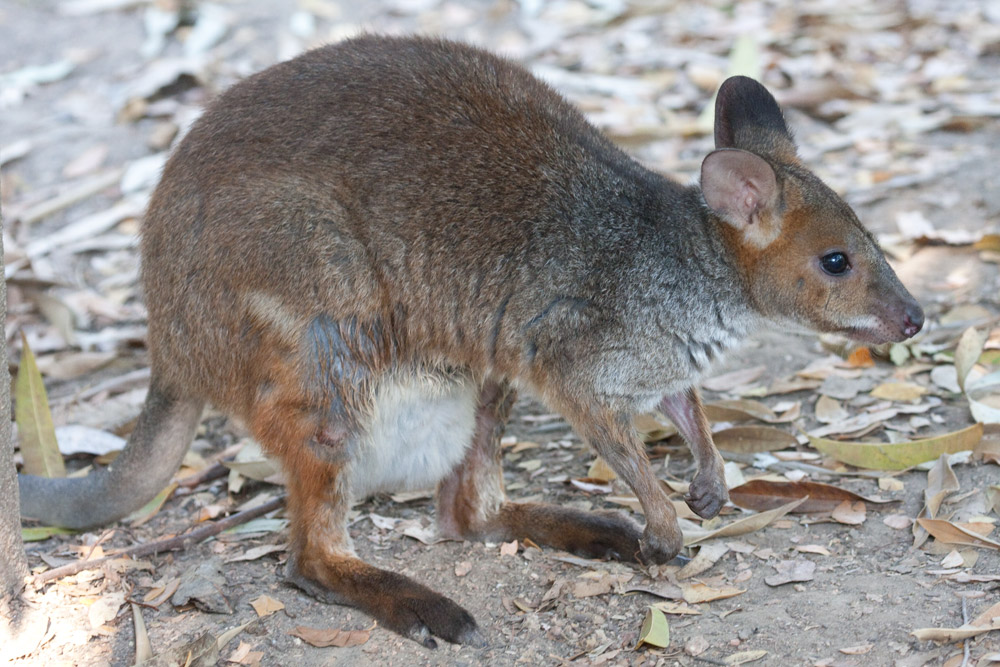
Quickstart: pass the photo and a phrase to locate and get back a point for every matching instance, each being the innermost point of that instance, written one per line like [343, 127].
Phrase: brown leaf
[899, 391]
[678, 608]
[265, 605]
[762, 494]
[323, 637]
[697, 592]
[753, 439]
[852, 514]
[652, 428]
[707, 556]
[860, 649]
[743, 526]
[600, 470]
[739, 410]
[950, 533]
[829, 410]
[949, 635]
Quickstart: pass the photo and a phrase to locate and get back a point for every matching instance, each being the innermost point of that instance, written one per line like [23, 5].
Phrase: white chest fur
[420, 429]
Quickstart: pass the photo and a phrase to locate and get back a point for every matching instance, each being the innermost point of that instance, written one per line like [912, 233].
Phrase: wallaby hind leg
[323, 562]
[153, 454]
[472, 504]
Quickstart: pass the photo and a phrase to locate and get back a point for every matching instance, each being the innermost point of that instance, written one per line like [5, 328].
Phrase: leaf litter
[854, 129]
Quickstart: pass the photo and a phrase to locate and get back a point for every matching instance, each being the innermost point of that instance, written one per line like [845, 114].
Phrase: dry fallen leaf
[813, 549]
[323, 637]
[698, 592]
[743, 657]
[265, 605]
[743, 526]
[900, 455]
[753, 439]
[678, 608]
[970, 346]
[899, 391]
[852, 514]
[951, 533]
[829, 410]
[739, 410]
[949, 635]
[763, 494]
[707, 556]
[860, 649]
[600, 470]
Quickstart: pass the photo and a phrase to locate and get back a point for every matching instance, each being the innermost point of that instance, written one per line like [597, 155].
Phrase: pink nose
[913, 321]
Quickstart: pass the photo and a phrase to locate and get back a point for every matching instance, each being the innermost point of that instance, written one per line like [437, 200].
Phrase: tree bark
[13, 563]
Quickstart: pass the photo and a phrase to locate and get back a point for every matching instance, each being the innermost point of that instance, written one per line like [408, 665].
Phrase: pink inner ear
[736, 184]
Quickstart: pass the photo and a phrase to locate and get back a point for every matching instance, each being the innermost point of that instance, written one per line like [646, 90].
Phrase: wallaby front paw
[659, 549]
[707, 493]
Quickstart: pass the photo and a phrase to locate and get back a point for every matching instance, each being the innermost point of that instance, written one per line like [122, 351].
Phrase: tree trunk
[13, 564]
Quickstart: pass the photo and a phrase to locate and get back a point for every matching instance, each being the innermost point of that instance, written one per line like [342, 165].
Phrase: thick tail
[153, 454]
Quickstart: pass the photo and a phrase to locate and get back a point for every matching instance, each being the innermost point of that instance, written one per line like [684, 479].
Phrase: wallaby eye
[835, 263]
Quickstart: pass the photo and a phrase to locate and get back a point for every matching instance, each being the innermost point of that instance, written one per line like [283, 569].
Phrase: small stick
[965, 621]
[214, 471]
[174, 543]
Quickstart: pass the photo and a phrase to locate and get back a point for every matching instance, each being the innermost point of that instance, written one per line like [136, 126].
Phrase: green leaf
[35, 431]
[39, 533]
[655, 630]
[149, 510]
[899, 455]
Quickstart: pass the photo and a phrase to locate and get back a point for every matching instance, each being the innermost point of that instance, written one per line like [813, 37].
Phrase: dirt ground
[894, 105]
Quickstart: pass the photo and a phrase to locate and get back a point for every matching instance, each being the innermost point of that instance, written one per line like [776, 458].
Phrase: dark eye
[835, 263]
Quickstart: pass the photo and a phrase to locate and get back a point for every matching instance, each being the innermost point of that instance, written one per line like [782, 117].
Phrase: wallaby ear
[748, 117]
[737, 185]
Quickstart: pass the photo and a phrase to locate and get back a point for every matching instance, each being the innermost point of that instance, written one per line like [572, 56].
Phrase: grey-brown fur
[390, 236]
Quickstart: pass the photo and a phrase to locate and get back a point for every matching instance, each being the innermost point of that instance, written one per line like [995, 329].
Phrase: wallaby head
[803, 253]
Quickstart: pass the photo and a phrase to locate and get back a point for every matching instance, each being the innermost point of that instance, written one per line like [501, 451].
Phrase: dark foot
[605, 534]
[660, 549]
[396, 602]
[707, 493]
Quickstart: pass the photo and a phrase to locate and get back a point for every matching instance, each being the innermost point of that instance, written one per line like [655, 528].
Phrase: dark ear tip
[740, 83]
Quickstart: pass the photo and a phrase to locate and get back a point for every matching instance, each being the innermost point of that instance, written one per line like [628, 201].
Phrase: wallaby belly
[420, 428]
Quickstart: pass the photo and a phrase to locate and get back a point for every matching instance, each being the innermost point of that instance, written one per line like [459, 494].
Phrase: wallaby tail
[153, 454]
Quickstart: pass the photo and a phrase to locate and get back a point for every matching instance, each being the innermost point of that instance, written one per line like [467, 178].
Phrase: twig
[965, 621]
[175, 543]
[214, 471]
[71, 196]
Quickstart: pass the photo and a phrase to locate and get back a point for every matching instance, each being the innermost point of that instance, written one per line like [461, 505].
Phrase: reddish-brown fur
[392, 236]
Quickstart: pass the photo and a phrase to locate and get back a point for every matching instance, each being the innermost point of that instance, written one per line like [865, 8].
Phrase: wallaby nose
[913, 320]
